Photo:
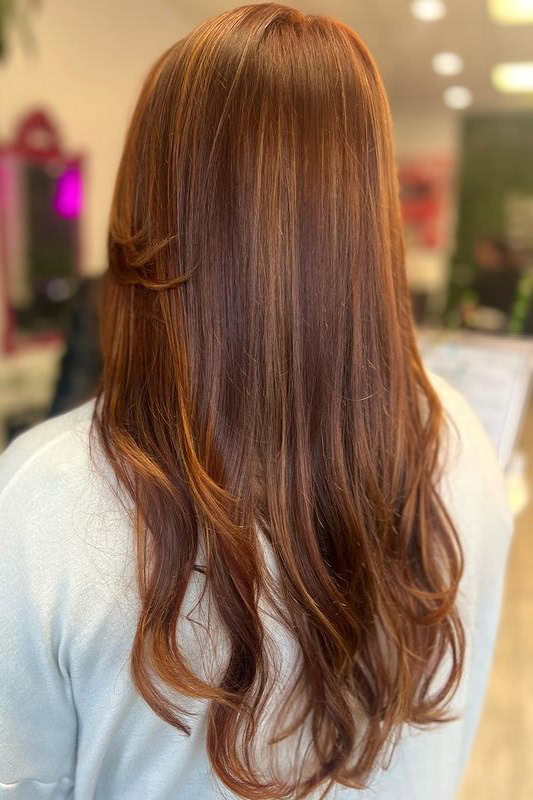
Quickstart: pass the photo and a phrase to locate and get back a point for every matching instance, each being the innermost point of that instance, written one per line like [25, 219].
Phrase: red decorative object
[425, 186]
[37, 137]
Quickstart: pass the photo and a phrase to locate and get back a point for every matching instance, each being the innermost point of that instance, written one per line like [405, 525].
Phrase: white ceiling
[404, 46]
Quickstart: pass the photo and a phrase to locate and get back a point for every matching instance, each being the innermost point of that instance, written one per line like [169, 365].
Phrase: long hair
[262, 385]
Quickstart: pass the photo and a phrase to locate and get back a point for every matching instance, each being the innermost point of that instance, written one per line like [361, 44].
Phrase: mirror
[41, 196]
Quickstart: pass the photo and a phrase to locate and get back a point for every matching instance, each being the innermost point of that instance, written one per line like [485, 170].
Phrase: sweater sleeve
[38, 725]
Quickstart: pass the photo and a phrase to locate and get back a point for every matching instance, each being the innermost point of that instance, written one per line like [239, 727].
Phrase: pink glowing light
[68, 194]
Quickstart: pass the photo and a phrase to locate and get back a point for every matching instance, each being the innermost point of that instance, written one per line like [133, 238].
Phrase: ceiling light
[513, 78]
[428, 10]
[447, 63]
[457, 97]
[511, 12]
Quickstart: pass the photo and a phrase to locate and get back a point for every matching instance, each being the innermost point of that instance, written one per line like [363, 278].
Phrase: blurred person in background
[489, 302]
[268, 558]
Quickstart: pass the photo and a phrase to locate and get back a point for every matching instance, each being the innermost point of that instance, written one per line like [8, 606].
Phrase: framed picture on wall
[425, 194]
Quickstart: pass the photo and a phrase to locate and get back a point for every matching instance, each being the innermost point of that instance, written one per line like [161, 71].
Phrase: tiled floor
[501, 767]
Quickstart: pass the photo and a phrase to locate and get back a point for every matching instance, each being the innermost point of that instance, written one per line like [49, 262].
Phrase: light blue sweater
[71, 722]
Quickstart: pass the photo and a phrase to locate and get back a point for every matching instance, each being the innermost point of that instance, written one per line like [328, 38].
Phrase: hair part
[262, 383]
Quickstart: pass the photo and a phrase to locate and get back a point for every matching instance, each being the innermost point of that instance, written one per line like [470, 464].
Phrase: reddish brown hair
[262, 380]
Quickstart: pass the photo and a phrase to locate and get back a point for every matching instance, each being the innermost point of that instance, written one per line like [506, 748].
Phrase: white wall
[425, 132]
[87, 69]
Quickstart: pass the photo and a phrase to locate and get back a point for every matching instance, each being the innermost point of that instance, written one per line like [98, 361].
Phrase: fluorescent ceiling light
[428, 10]
[447, 63]
[513, 78]
[457, 97]
[511, 12]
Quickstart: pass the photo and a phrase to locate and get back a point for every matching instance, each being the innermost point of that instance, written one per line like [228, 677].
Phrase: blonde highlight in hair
[261, 374]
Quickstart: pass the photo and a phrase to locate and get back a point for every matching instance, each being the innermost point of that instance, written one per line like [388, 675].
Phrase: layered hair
[262, 381]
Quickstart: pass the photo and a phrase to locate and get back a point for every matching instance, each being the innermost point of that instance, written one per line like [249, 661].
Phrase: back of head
[261, 372]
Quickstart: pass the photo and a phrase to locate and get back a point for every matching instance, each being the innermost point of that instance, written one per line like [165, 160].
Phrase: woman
[252, 565]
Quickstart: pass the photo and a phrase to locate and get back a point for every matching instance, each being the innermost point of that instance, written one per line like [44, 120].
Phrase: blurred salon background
[460, 80]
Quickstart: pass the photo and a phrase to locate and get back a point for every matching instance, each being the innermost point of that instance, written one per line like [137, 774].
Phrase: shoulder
[55, 487]
[65, 531]
[472, 482]
[465, 440]
[56, 445]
